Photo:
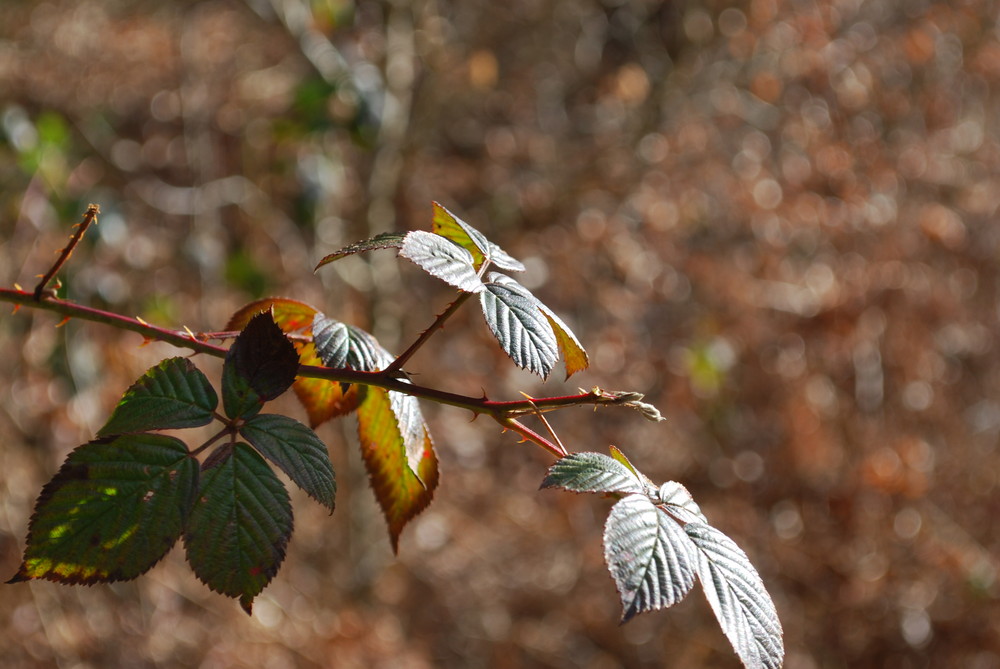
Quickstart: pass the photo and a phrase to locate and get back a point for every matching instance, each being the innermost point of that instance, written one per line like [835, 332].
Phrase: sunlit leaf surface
[173, 394]
[113, 510]
[239, 526]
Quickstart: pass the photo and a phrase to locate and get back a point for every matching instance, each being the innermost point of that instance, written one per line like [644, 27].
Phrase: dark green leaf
[738, 598]
[524, 333]
[592, 472]
[649, 555]
[451, 226]
[239, 526]
[172, 395]
[443, 258]
[239, 399]
[113, 510]
[260, 365]
[403, 487]
[344, 346]
[386, 240]
[297, 451]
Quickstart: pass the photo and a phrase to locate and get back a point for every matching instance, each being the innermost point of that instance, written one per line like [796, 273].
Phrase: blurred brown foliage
[775, 218]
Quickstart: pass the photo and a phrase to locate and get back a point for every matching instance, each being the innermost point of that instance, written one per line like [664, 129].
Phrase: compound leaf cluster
[459, 254]
[119, 503]
[657, 542]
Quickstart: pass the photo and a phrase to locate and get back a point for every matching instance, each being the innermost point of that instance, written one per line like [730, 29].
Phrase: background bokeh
[773, 217]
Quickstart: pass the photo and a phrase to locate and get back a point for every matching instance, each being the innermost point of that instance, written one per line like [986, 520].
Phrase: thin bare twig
[89, 217]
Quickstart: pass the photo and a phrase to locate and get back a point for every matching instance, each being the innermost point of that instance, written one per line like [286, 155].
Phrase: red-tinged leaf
[113, 510]
[289, 315]
[322, 400]
[171, 395]
[239, 526]
[386, 240]
[402, 491]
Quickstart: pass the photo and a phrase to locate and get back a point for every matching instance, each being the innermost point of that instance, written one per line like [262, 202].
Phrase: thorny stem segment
[398, 363]
[530, 435]
[504, 413]
[89, 217]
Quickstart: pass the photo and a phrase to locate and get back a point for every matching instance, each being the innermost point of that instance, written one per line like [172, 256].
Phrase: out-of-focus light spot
[767, 193]
[632, 84]
[918, 395]
[591, 224]
[786, 520]
[748, 466]
[431, 532]
[698, 25]
[916, 627]
[484, 70]
[907, 523]
[732, 21]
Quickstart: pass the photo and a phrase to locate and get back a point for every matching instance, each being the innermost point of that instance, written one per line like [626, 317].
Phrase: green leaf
[344, 346]
[113, 510]
[403, 487]
[239, 526]
[593, 472]
[738, 598]
[516, 321]
[442, 258]
[297, 451]
[451, 226]
[260, 365]
[386, 240]
[650, 557]
[171, 395]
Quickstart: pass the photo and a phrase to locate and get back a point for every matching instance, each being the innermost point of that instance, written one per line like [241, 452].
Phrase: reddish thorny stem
[504, 413]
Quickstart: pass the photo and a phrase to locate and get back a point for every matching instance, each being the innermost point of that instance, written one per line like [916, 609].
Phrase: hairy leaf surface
[260, 366]
[113, 510]
[385, 240]
[297, 451]
[523, 331]
[345, 346]
[403, 485]
[442, 258]
[592, 472]
[650, 557]
[173, 394]
[239, 526]
[738, 598]
[680, 504]
[451, 226]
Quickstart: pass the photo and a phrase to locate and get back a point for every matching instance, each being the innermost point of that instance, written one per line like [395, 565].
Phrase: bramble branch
[503, 413]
